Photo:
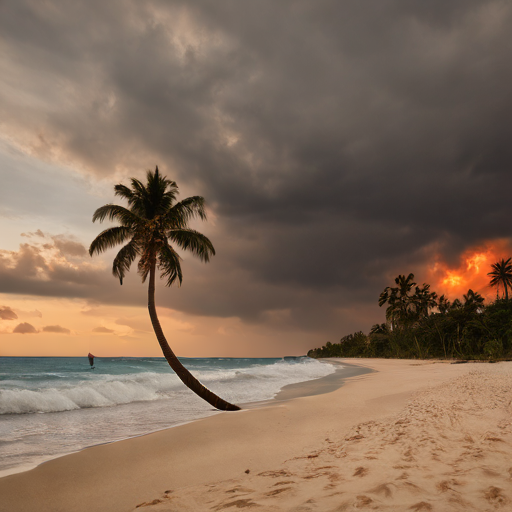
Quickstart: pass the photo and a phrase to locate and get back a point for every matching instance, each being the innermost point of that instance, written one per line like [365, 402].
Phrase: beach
[411, 435]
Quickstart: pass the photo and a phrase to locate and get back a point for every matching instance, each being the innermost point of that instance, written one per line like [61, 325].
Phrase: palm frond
[161, 192]
[138, 201]
[193, 241]
[169, 263]
[180, 214]
[110, 238]
[115, 212]
[124, 192]
[137, 186]
[157, 182]
[124, 259]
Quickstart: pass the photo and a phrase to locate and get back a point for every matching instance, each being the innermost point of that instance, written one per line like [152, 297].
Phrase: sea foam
[245, 384]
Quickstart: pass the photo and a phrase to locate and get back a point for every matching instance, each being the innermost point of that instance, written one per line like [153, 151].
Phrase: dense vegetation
[421, 324]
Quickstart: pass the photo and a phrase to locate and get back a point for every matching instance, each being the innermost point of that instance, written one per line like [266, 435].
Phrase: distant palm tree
[152, 221]
[379, 329]
[456, 304]
[473, 301]
[398, 300]
[389, 296]
[424, 300]
[501, 275]
[443, 304]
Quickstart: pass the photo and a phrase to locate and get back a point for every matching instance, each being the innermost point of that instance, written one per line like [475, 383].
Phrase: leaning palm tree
[501, 275]
[153, 222]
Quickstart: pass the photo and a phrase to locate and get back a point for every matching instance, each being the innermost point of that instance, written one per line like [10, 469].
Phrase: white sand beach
[414, 435]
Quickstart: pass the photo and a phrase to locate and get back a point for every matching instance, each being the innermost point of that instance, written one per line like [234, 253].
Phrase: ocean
[52, 406]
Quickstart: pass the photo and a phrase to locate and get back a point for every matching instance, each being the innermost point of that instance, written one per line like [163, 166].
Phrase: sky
[337, 144]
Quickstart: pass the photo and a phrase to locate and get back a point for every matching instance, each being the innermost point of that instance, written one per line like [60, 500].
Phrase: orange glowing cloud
[474, 265]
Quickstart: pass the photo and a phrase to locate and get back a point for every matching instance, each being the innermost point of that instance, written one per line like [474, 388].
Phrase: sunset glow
[475, 263]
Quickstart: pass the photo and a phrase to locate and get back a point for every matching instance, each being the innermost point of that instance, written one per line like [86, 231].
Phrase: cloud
[337, 143]
[6, 313]
[54, 269]
[103, 330]
[30, 314]
[38, 233]
[69, 247]
[56, 329]
[25, 328]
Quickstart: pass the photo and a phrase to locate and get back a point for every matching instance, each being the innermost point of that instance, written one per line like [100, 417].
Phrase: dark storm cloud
[338, 143]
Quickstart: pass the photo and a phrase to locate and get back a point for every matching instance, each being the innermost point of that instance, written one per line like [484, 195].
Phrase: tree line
[421, 324]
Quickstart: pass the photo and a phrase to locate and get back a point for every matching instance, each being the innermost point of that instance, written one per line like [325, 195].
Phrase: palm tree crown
[501, 275]
[473, 301]
[151, 225]
[399, 300]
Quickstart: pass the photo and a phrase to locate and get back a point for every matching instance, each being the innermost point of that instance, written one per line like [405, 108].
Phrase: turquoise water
[53, 406]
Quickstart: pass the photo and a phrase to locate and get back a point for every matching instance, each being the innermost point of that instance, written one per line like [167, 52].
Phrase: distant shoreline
[325, 384]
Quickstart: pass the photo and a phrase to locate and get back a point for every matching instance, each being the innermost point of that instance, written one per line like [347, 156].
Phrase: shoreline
[311, 387]
[397, 437]
[323, 385]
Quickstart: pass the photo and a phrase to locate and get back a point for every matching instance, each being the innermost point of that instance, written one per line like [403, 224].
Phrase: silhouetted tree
[152, 225]
[501, 275]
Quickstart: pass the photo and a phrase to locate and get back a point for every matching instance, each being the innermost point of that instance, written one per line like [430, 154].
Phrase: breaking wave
[71, 392]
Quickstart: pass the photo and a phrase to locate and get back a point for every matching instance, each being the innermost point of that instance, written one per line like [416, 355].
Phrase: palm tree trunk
[185, 376]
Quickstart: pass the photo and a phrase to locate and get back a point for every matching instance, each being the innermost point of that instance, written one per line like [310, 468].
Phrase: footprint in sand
[275, 474]
[495, 496]
[385, 490]
[412, 487]
[361, 471]
[448, 485]
[286, 482]
[239, 489]
[237, 504]
[275, 492]
[363, 501]
[421, 506]
[149, 503]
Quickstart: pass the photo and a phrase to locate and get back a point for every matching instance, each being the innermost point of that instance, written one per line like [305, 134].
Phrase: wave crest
[258, 382]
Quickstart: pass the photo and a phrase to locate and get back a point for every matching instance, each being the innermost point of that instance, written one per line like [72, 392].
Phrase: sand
[414, 436]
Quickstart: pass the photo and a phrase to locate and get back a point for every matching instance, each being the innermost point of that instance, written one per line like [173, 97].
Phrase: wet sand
[411, 436]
